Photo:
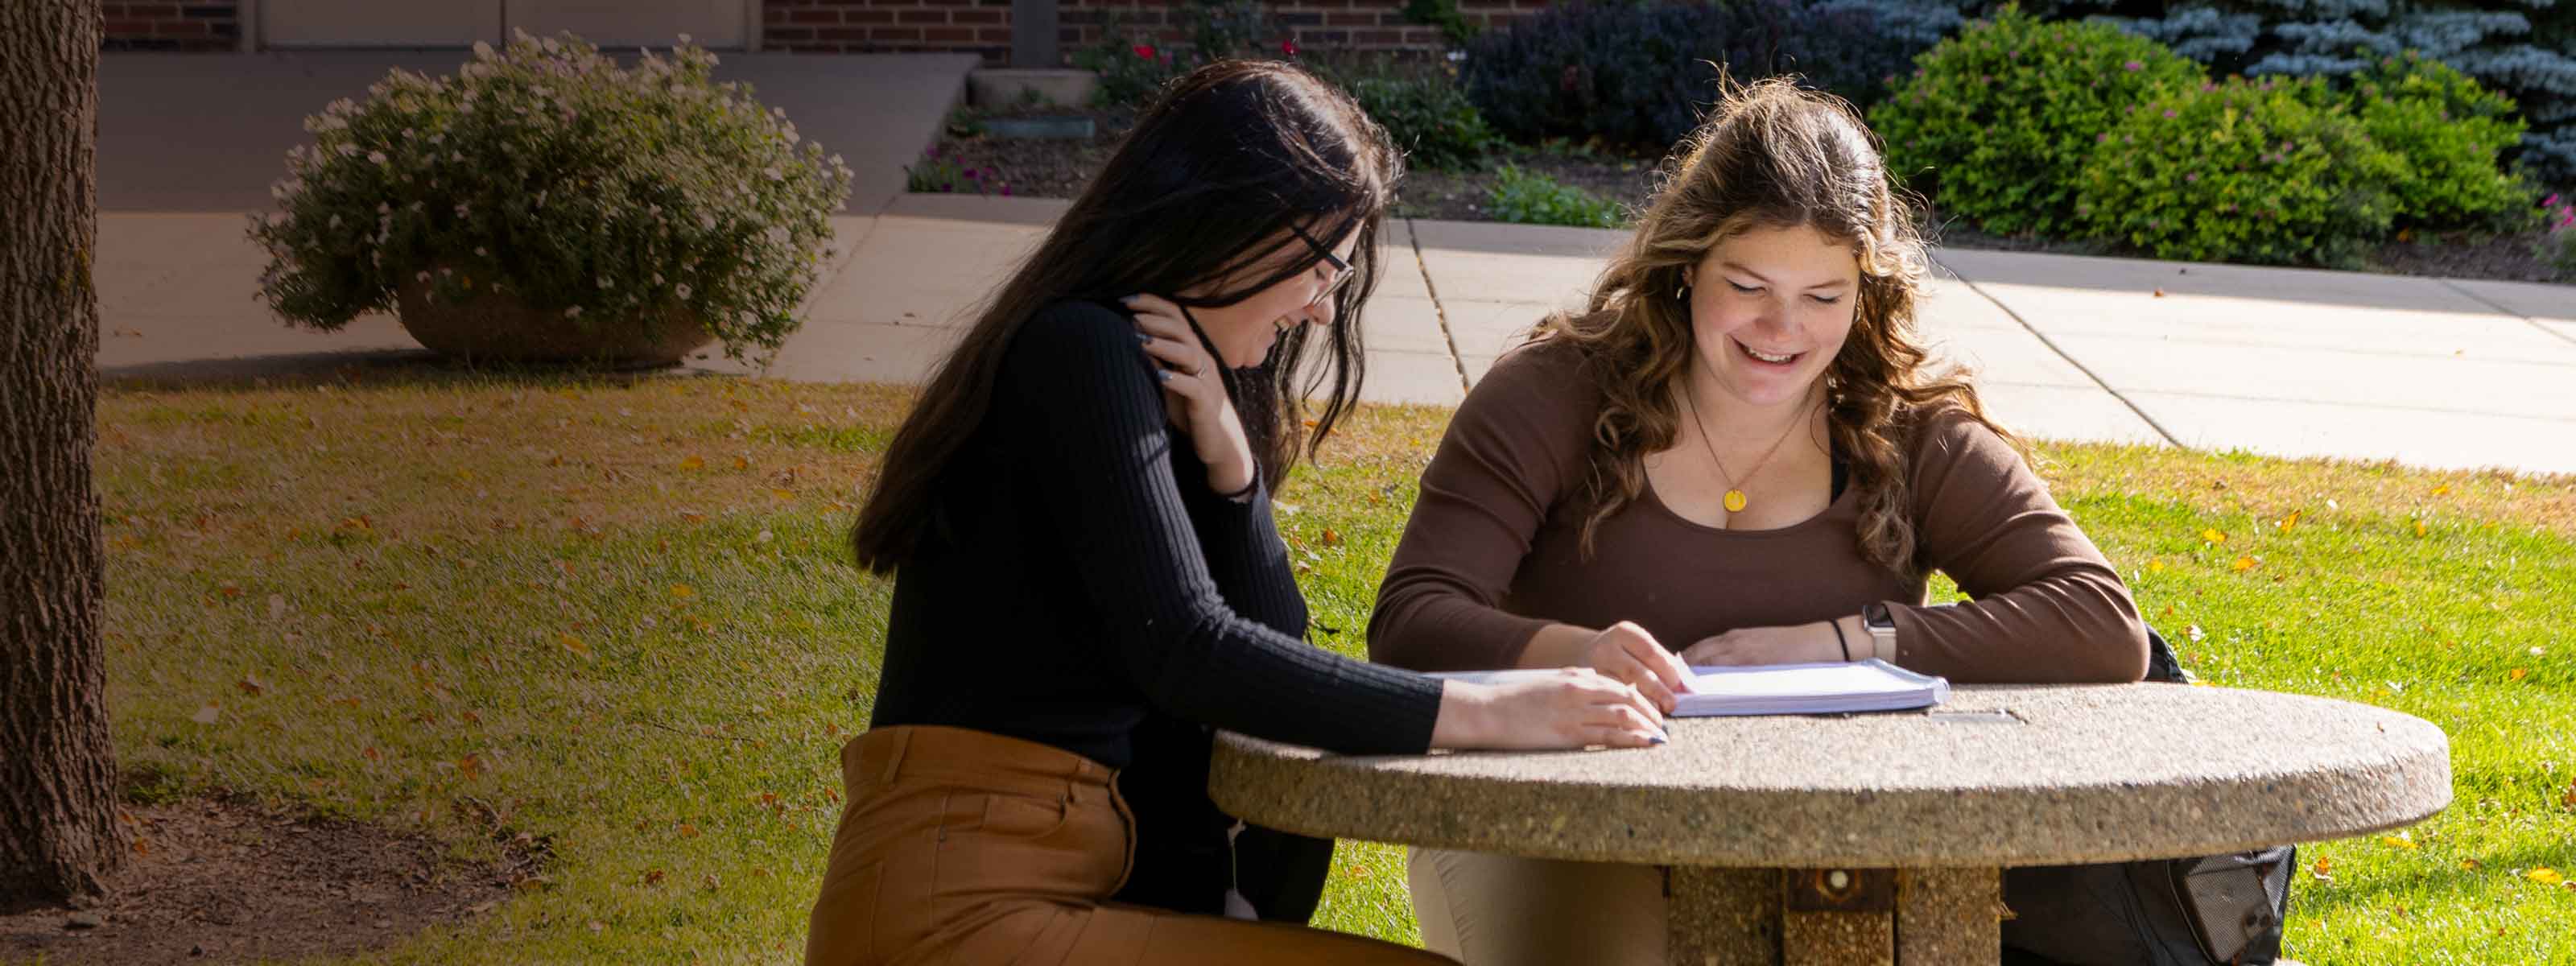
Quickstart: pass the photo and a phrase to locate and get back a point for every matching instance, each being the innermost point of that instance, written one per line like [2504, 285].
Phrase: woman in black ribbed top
[1076, 514]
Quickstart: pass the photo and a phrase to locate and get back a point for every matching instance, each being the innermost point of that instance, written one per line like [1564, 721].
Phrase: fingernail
[1146, 337]
[1659, 739]
[1126, 300]
[1163, 375]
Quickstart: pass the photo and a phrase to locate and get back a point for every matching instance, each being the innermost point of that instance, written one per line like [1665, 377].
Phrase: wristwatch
[1882, 630]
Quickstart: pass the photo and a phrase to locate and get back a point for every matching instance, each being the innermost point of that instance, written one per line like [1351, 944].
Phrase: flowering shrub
[2247, 171]
[1536, 199]
[2449, 131]
[546, 174]
[1132, 65]
[1996, 123]
[948, 173]
[2558, 246]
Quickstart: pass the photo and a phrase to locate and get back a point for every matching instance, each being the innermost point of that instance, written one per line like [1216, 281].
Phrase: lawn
[617, 616]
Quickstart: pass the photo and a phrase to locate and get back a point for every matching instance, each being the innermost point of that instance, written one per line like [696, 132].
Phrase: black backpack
[2214, 910]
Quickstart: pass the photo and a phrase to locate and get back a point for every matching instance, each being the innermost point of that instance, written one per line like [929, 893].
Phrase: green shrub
[1641, 74]
[1429, 118]
[2449, 132]
[2004, 115]
[1536, 199]
[2245, 171]
[547, 174]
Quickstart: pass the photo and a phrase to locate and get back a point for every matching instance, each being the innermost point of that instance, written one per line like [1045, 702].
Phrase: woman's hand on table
[1811, 643]
[1628, 654]
[1194, 392]
[1571, 708]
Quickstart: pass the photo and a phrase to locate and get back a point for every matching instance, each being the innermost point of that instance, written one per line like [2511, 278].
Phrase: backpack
[2213, 910]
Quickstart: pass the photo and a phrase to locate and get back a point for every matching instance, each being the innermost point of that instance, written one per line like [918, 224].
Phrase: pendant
[1735, 501]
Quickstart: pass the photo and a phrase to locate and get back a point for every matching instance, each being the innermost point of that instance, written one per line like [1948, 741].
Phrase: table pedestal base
[1876, 917]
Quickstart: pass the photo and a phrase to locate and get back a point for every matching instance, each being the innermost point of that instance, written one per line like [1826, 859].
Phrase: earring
[1681, 293]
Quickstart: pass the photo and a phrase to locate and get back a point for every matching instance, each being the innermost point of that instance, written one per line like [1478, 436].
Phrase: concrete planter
[503, 329]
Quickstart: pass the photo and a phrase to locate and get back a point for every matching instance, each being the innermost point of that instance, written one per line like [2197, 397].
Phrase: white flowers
[482, 252]
[482, 50]
[605, 284]
[573, 312]
[461, 210]
[376, 156]
[682, 291]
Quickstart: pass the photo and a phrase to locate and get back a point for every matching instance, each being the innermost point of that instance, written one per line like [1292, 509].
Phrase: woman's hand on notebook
[1627, 653]
[1798, 644]
[1566, 708]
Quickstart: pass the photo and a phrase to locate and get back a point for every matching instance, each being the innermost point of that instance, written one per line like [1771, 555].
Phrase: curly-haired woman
[1737, 454]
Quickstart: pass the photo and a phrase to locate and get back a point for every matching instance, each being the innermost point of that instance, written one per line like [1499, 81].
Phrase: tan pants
[1498, 910]
[961, 847]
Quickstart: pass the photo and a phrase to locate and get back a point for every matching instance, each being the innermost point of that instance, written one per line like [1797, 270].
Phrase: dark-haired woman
[1076, 515]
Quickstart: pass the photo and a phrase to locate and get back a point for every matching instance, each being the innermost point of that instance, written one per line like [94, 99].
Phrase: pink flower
[1145, 51]
[1288, 47]
[2169, 113]
[1006, 191]
[2133, 66]
[2549, 202]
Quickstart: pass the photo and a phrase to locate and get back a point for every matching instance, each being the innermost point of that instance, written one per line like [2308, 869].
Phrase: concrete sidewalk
[2430, 372]
[2286, 362]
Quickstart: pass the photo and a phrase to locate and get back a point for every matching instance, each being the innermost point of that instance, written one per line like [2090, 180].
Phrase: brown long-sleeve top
[1490, 555]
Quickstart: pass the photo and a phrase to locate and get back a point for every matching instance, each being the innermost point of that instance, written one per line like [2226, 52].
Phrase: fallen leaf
[208, 714]
[2401, 840]
[2469, 864]
[371, 754]
[2156, 565]
[652, 877]
[740, 463]
[574, 644]
[471, 766]
[2212, 536]
[1332, 538]
[2517, 674]
[2442, 489]
[2290, 521]
[2245, 563]
[251, 684]
[693, 463]
[2323, 870]
[688, 831]
[2160, 293]
[683, 591]
[2419, 528]
[2545, 876]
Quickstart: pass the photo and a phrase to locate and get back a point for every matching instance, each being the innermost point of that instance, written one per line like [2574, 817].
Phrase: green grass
[617, 616]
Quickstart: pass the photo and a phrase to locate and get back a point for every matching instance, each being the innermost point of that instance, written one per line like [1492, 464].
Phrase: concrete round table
[1880, 837]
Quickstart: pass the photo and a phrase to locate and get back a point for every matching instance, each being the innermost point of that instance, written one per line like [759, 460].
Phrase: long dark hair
[1225, 169]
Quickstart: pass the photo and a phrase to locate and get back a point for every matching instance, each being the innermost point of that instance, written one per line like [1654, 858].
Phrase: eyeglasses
[1341, 269]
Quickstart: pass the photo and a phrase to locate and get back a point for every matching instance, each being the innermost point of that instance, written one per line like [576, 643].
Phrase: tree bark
[59, 838]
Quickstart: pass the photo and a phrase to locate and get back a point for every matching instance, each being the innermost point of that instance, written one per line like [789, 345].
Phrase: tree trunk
[59, 837]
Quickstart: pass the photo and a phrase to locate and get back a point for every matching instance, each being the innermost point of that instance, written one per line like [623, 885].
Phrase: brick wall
[171, 26]
[856, 26]
[984, 26]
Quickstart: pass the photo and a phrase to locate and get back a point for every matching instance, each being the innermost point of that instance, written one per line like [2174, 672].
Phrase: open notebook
[1871, 685]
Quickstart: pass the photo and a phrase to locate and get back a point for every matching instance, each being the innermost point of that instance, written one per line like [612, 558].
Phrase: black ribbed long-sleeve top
[1066, 586]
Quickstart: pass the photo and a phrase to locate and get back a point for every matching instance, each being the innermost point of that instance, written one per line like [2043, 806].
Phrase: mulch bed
[226, 880]
[1059, 169]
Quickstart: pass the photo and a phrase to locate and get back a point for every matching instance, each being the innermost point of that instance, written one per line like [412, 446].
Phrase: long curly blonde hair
[1770, 155]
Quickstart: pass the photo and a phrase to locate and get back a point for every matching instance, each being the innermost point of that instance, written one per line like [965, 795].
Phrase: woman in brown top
[1736, 455]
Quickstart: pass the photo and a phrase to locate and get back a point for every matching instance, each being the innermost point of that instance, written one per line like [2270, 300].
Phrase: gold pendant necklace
[1735, 501]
